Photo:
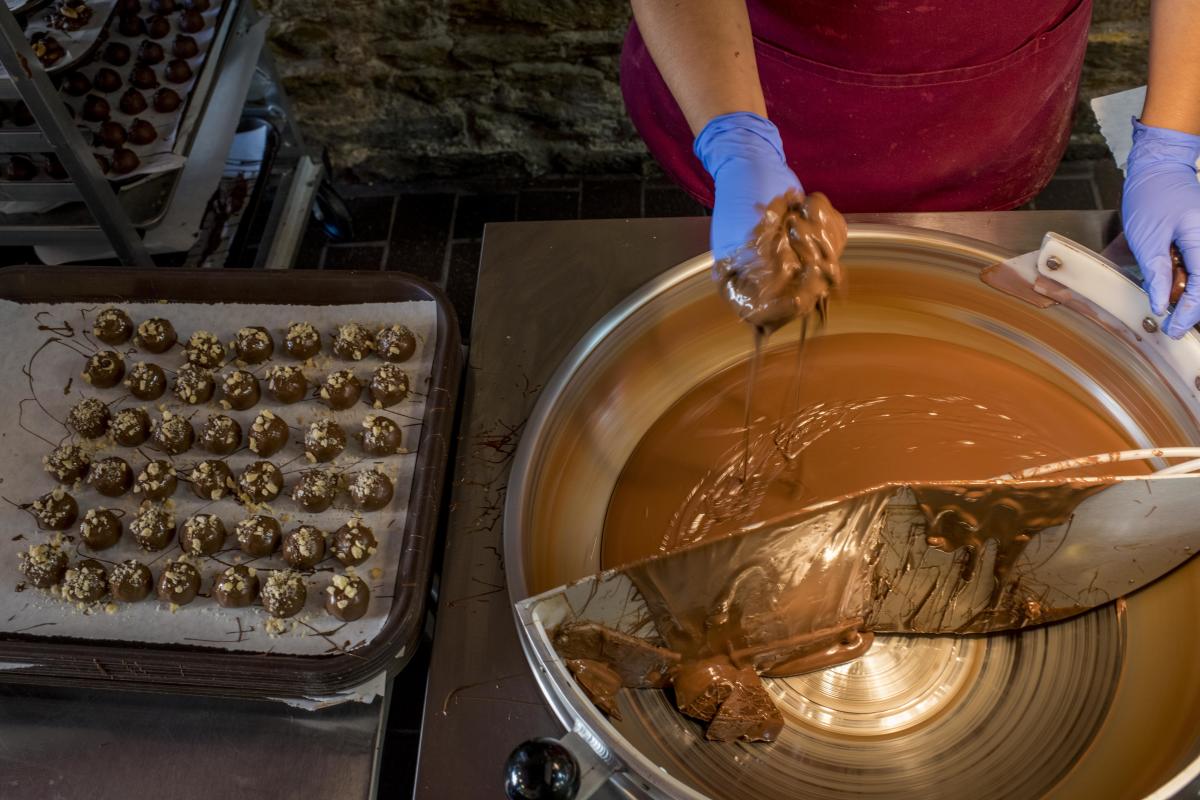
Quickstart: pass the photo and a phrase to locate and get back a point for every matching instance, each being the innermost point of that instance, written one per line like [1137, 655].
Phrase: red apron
[896, 105]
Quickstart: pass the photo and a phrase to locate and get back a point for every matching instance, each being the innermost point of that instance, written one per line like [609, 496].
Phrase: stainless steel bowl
[1101, 706]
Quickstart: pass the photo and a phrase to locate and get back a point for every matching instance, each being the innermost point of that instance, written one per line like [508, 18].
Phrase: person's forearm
[1173, 94]
[704, 51]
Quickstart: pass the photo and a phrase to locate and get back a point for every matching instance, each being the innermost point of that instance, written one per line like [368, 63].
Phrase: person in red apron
[906, 105]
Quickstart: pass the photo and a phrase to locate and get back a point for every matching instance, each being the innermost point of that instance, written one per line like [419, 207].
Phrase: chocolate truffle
[258, 536]
[67, 463]
[142, 132]
[153, 527]
[124, 161]
[239, 390]
[370, 490]
[111, 476]
[380, 436]
[221, 435]
[95, 108]
[197, 5]
[70, 15]
[143, 77]
[89, 418]
[130, 581]
[130, 427]
[287, 384]
[316, 490]
[211, 479]
[150, 52]
[107, 80]
[100, 528]
[204, 349]
[43, 565]
[236, 587]
[253, 345]
[302, 340]
[268, 434]
[112, 326]
[389, 385]
[156, 481]
[127, 7]
[110, 134]
[191, 22]
[324, 440]
[166, 101]
[260, 482]
[178, 71]
[86, 582]
[179, 583]
[20, 168]
[116, 53]
[396, 344]
[104, 370]
[55, 511]
[173, 434]
[162, 6]
[155, 336]
[284, 594]
[55, 169]
[347, 597]
[193, 384]
[202, 534]
[353, 342]
[146, 381]
[353, 543]
[133, 102]
[46, 48]
[341, 390]
[103, 163]
[131, 26]
[76, 84]
[157, 27]
[304, 547]
[184, 47]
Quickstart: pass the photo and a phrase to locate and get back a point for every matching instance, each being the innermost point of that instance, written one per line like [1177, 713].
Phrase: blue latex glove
[744, 154]
[1161, 205]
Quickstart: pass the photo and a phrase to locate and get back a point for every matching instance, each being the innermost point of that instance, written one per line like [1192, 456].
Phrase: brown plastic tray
[185, 669]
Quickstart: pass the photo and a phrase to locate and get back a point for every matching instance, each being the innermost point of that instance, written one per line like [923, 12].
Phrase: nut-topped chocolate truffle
[146, 381]
[85, 582]
[353, 543]
[287, 384]
[211, 479]
[284, 594]
[202, 534]
[173, 434]
[236, 586]
[111, 476]
[239, 390]
[258, 536]
[347, 597]
[179, 583]
[153, 527]
[193, 384]
[130, 581]
[89, 418]
[302, 341]
[221, 435]
[380, 436]
[324, 440]
[204, 349]
[341, 390]
[260, 482]
[130, 427]
[43, 565]
[268, 434]
[67, 463]
[304, 547]
[370, 490]
[100, 528]
[55, 511]
[156, 481]
[253, 344]
[353, 342]
[112, 326]
[389, 385]
[395, 343]
[104, 370]
[156, 336]
[316, 490]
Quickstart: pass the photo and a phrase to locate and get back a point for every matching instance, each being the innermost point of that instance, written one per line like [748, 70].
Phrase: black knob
[541, 769]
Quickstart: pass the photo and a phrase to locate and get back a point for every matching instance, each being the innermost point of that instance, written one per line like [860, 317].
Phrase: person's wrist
[737, 135]
[1154, 144]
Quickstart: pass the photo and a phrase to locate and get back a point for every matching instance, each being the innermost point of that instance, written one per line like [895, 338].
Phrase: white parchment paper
[45, 347]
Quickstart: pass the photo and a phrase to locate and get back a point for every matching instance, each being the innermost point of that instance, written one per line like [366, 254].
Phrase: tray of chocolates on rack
[221, 482]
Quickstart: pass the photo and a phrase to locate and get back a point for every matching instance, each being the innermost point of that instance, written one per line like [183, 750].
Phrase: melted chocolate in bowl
[642, 451]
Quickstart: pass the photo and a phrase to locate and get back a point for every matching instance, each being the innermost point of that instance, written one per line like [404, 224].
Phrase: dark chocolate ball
[254, 344]
[194, 384]
[302, 340]
[178, 71]
[55, 169]
[341, 390]
[113, 326]
[202, 534]
[103, 163]
[143, 77]
[106, 80]
[56, 510]
[236, 587]
[76, 84]
[370, 490]
[380, 436]
[162, 6]
[211, 479]
[131, 25]
[130, 427]
[127, 8]
[20, 168]
[46, 48]
[220, 435]
[111, 134]
[284, 594]
[388, 386]
[146, 381]
[197, 5]
[268, 434]
[204, 349]
[173, 434]
[89, 418]
[142, 132]
[178, 584]
[67, 463]
[155, 335]
[304, 547]
[157, 27]
[184, 47]
[166, 101]
[324, 440]
[43, 565]
[130, 581]
[191, 21]
[347, 597]
[156, 481]
[117, 54]
[287, 384]
[353, 342]
[95, 108]
[104, 370]
[133, 101]
[124, 161]
[353, 543]
[86, 582]
[150, 52]
[153, 527]
[111, 476]
[240, 390]
[100, 528]
[261, 482]
[258, 536]
[396, 343]
[316, 490]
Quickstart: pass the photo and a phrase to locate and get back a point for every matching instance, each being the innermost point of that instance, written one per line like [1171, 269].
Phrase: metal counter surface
[542, 285]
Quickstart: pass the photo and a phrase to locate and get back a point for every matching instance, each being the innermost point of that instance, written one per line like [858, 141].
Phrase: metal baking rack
[89, 210]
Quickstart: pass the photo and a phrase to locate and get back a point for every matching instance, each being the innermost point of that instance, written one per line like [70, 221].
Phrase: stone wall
[413, 89]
